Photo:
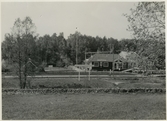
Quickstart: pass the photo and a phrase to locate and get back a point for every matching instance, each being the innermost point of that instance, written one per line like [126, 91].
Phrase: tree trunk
[25, 75]
[25, 65]
[20, 77]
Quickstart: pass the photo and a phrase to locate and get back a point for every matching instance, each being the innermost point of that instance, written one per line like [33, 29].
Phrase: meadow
[84, 106]
[91, 106]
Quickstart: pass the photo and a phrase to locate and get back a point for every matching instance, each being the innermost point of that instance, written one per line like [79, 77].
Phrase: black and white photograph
[83, 60]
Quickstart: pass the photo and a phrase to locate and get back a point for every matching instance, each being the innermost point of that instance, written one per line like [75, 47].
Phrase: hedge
[82, 90]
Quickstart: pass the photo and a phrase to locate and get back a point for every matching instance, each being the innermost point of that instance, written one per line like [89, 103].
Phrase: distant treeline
[23, 45]
[57, 51]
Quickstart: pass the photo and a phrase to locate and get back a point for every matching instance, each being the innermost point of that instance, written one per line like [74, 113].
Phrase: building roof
[105, 57]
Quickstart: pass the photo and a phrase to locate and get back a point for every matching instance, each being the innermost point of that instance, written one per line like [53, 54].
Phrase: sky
[90, 18]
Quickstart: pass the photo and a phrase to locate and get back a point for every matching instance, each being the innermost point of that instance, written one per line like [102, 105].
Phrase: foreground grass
[84, 106]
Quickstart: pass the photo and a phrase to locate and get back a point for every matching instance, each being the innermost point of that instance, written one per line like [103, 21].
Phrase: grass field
[72, 72]
[149, 82]
[83, 106]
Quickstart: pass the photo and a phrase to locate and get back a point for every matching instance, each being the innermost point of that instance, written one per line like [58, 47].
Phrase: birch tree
[147, 22]
[21, 43]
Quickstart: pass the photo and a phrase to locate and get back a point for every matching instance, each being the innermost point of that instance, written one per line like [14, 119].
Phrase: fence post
[110, 72]
[89, 73]
[79, 75]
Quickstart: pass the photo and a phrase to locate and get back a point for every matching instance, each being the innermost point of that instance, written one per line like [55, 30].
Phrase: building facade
[106, 62]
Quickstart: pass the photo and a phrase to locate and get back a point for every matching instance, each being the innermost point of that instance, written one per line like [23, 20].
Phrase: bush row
[73, 85]
[85, 90]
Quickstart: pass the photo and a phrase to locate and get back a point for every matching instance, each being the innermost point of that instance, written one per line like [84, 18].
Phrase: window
[96, 64]
[105, 64]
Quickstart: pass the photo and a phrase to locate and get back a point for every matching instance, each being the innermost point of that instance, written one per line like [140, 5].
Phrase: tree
[127, 45]
[147, 22]
[73, 42]
[113, 42]
[22, 44]
[47, 46]
[7, 48]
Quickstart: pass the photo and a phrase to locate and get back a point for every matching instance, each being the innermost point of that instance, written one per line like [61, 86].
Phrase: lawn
[149, 82]
[83, 106]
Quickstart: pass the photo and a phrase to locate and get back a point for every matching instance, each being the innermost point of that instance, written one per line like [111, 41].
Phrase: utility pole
[113, 56]
[76, 48]
[85, 56]
[113, 59]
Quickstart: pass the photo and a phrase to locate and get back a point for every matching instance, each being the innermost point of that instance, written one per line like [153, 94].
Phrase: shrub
[164, 84]
[6, 67]
[73, 85]
[60, 64]
[41, 67]
[79, 90]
